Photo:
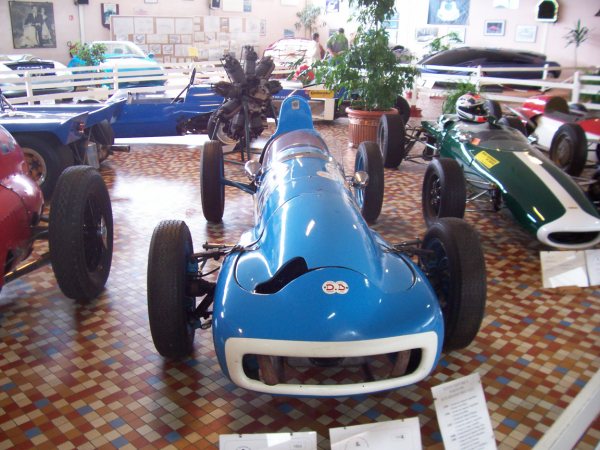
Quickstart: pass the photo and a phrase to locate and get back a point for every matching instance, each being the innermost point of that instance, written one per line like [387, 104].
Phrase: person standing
[337, 43]
[315, 52]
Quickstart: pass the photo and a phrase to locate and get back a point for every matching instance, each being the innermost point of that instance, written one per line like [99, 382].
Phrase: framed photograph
[215, 4]
[448, 12]
[108, 9]
[426, 34]
[525, 33]
[494, 28]
[32, 24]
[150, 1]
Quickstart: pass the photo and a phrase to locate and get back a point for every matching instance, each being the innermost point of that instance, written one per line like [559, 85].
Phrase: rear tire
[370, 199]
[444, 191]
[81, 233]
[46, 161]
[169, 308]
[391, 139]
[403, 108]
[568, 149]
[456, 271]
[493, 108]
[212, 189]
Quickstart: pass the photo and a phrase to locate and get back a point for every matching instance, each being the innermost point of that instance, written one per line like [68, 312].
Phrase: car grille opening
[573, 238]
[272, 370]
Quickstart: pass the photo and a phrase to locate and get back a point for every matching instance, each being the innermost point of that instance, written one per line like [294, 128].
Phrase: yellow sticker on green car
[486, 159]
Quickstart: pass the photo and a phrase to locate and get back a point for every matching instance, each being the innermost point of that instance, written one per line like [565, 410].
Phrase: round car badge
[335, 287]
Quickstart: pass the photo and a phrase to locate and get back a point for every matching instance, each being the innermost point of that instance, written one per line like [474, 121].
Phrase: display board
[184, 39]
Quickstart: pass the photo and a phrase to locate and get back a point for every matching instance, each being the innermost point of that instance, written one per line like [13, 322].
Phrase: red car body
[21, 204]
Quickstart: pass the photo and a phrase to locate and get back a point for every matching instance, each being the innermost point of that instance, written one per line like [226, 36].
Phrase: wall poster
[32, 24]
[448, 12]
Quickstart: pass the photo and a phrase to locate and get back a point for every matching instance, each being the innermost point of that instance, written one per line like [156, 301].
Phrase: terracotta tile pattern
[88, 376]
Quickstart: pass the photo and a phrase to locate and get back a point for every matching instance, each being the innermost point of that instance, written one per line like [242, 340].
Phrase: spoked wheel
[212, 189]
[370, 197]
[455, 267]
[391, 139]
[170, 310]
[568, 149]
[444, 191]
[45, 161]
[81, 233]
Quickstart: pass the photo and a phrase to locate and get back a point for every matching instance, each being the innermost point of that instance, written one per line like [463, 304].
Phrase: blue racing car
[311, 290]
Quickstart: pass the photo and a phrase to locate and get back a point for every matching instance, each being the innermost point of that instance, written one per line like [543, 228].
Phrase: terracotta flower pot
[363, 125]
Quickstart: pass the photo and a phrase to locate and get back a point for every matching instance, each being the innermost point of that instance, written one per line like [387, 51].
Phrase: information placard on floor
[306, 440]
[462, 414]
[391, 435]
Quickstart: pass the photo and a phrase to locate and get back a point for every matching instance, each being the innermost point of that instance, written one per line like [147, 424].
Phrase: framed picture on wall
[32, 24]
[108, 9]
[525, 33]
[494, 28]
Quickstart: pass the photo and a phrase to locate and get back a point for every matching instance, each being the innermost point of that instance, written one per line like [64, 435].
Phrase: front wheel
[444, 192]
[81, 233]
[212, 189]
[455, 266]
[370, 197]
[568, 149]
[170, 310]
[391, 139]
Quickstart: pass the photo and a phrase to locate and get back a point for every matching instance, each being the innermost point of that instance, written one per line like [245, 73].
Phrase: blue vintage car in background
[311, 291]
[54, 137]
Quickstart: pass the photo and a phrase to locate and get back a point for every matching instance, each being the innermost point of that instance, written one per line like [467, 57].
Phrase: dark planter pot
[363, 125]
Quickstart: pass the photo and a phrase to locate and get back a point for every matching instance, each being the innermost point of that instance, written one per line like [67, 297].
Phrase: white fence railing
[91, 82]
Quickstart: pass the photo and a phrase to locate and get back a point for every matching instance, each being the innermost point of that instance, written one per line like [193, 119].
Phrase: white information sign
[462, 414]
[269, 441]
[392, 435]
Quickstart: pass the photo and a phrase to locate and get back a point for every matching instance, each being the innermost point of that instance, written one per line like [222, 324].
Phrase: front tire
[81, 233]
[169, 308]
[212, 189]
[455, 267]
[370, 198]
[403, 108]
[444, 192]
[391, 139]
[568, 149]
[493, 109]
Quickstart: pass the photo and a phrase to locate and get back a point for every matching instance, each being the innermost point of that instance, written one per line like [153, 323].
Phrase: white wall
[412, 15]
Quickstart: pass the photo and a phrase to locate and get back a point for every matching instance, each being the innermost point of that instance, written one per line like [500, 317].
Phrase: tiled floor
[84, 376]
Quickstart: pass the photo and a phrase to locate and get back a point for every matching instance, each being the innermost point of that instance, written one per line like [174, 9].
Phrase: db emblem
[335, 287]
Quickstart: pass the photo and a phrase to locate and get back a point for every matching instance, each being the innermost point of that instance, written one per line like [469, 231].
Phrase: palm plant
[577, 36]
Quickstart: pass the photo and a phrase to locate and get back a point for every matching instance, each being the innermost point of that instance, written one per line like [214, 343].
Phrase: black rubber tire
[103, 133]
[444, 192]
[212, 189]
[46, 161]
[568, 149]
[211, 126]
[456, 271]
[403, 108]
[169, 308]
[391, 139]
[513, 122]
[493, 109]
[370, 199]
[81, 233]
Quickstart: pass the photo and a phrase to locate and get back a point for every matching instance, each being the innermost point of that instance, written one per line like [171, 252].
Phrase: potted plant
[368, 71]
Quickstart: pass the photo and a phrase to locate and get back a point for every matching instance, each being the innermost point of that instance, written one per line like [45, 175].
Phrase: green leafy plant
[444, 42]
[88, 54]
[577, 36]
[368, 70]
[307, 18]
[458, 90]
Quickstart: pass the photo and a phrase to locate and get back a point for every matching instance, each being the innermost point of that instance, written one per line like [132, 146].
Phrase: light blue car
[311, 301]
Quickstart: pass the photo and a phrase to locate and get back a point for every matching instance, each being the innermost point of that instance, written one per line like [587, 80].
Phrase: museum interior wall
[519, 29]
